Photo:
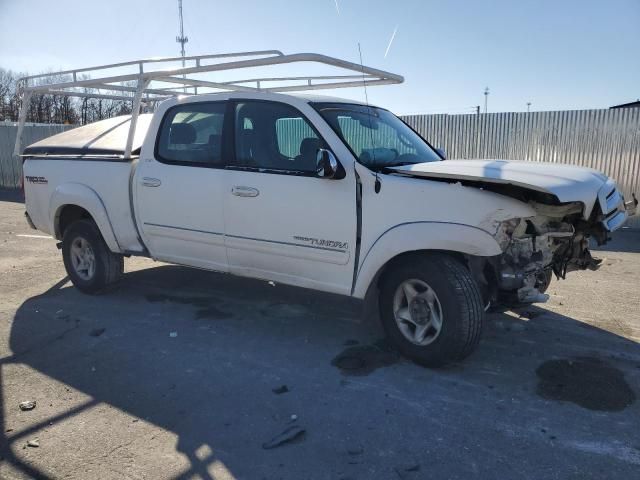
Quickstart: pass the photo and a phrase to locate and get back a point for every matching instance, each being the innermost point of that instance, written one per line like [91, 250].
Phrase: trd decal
[319, 242]
[40, 180]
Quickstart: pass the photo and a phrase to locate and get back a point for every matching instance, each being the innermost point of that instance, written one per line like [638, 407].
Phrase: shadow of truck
[211, 382]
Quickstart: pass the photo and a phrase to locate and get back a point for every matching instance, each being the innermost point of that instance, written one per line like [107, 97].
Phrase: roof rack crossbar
[204, 83]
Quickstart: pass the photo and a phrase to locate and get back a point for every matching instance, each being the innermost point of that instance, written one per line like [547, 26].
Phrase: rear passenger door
[180, 187]
[282, 222]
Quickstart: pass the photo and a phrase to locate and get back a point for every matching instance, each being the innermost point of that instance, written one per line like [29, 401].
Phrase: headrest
[309, 146]
[182, 133]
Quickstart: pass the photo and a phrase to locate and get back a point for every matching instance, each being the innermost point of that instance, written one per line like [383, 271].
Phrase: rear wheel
[431, 309]
[90, 264]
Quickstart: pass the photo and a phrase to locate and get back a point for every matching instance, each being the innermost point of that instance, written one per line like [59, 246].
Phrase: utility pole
[486, 96]
[528, 107]
[181, 39]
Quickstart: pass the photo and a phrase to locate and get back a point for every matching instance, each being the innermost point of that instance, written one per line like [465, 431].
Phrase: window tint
[192, 133]
[274, 136]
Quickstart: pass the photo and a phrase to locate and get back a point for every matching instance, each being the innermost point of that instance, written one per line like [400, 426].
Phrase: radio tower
[486, 97]
[181, 39]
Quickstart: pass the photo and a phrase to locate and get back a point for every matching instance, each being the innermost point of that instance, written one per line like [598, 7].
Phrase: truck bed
[86, 158]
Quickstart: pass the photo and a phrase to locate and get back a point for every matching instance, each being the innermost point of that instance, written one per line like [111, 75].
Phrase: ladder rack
[152, 80]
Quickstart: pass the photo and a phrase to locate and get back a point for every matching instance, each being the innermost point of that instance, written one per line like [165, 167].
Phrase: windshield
[376, 137]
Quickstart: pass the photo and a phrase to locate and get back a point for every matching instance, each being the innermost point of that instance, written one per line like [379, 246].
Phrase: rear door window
[191, 134]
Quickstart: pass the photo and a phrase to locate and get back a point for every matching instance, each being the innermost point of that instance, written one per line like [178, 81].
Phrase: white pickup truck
[321, 193]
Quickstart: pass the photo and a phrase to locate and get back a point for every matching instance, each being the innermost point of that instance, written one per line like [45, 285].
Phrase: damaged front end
[553, 242]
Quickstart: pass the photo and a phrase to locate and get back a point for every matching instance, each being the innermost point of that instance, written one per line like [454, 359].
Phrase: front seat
[306, 161]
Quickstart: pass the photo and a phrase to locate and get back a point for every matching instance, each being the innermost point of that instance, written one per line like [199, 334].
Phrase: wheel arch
[402, 241]
[74, 201]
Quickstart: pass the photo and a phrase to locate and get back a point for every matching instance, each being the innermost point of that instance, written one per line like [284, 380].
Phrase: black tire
[109, 266]
[460, 302]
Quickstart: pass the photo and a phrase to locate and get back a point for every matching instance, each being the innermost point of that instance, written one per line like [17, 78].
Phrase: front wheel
[431, 309]
[90, 264]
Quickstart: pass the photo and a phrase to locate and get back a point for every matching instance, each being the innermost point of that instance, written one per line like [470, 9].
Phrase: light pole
[486, 96]
[528, 107]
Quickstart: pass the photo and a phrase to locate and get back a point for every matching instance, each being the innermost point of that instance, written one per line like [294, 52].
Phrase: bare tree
[50, 108]
[7, 94]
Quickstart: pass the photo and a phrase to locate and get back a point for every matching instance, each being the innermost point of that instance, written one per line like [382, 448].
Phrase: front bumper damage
[555, 241]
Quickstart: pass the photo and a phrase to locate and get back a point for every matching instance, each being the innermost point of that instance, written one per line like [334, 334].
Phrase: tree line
[49, 108]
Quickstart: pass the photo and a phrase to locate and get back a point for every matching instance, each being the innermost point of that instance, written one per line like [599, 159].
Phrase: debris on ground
[60, 315]
[290, 434]
[350, 342]
[96, 332]
[27, 405]
[33, 443]
[280, 390]
[173, 334]
[294, 417]
[355, 451]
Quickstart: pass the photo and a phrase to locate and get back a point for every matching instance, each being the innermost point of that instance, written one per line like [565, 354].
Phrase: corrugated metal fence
[10, 166]
[607, 140]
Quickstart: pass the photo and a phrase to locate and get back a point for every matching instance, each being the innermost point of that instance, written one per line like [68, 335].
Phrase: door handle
[151, 182]
[245, 191]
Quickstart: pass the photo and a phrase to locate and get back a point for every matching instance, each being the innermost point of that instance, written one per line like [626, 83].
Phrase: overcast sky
[560, 54]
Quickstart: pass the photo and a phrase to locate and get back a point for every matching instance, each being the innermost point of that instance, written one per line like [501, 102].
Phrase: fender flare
[413, 236]
[82, 196]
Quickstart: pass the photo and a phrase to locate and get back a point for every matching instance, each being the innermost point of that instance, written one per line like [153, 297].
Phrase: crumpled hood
[568, 183]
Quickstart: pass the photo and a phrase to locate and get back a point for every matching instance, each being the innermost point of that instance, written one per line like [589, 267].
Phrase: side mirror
[442, 153]
[327, 165]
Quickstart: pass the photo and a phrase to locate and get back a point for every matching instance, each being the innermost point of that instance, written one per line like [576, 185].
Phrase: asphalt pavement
[181, 373]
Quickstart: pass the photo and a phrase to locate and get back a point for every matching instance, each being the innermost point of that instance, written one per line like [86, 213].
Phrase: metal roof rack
[139, 82]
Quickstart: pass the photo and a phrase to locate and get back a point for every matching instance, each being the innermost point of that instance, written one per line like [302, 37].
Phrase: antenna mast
[181, 39]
